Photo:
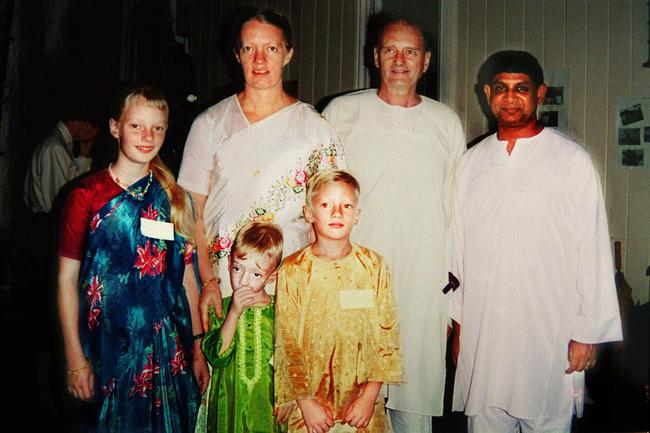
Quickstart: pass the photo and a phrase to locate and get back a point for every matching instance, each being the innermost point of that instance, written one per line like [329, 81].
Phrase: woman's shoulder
[306, 121]
[217, 112]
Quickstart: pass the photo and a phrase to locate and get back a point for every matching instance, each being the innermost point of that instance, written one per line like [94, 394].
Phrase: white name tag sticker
[157, 229]
[352, 299]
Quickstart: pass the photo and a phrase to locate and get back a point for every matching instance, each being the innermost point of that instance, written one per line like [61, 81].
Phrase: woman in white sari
[249, 156]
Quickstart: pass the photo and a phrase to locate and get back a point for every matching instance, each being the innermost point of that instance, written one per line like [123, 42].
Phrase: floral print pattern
[287, 188]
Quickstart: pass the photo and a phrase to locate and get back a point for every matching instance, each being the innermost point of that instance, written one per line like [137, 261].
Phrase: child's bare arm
[360, 410]
[318, 418]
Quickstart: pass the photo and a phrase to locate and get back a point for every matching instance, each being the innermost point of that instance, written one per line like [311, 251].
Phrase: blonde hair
[181, 207]
[260, 238]
[326, 177]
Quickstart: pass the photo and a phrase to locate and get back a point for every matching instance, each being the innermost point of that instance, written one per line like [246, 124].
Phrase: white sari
[255, 172]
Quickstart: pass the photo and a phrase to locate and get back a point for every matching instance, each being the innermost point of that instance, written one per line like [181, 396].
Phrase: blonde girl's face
[140, 131]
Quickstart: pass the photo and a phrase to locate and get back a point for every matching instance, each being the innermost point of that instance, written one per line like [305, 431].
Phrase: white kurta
[255, 172]
[402, 158]
[535, 266]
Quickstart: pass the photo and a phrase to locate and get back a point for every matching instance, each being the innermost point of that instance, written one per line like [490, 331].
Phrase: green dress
[241, 390]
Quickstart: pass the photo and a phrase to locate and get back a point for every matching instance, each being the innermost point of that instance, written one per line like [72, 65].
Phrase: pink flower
[178, 362]
[143, 382]
[150, 261]
[94, 291]
[94, 223]
[93, 317]
[301, 177]
[224, 243]
[151, 213]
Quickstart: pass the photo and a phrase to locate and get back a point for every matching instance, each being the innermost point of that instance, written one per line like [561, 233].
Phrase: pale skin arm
[360, 410]
[581, 356]
[317, 418]
[200, 366]
[80, 385]
[210, 294]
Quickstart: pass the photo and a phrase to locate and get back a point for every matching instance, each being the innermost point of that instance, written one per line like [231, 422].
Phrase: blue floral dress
[135, 324]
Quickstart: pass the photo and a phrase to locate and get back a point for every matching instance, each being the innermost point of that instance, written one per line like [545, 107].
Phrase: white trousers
[495, 420]
[407, 422]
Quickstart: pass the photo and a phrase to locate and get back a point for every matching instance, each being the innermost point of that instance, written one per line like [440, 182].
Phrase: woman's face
[140, 131]
[263, 55]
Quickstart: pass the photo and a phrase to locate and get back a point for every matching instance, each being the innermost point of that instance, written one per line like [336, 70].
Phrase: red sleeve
[80, 206]
[75, 217]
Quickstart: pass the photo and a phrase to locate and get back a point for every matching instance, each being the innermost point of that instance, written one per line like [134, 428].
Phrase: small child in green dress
[239, 347]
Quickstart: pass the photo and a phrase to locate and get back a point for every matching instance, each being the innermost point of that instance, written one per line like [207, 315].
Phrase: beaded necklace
[137, 193]
[257, 351]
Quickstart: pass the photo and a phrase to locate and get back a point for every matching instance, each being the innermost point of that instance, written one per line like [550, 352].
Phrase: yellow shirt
[336, 329]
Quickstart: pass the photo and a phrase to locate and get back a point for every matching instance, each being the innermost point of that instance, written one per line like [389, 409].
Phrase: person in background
[402, 147]
[55, 162]
[128, 296]
[62, 155]
[531, 250]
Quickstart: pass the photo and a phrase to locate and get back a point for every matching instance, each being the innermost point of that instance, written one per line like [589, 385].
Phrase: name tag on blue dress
[157, 229]
[352, 299]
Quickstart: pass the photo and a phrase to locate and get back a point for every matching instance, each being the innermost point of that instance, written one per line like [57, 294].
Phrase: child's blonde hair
[181, 212]
[260, 238]
[326, 177]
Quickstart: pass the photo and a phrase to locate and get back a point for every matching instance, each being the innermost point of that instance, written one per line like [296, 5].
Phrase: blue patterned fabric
[135, 325]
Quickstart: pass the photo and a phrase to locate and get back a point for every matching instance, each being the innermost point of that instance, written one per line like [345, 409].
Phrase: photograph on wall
[629, 136]
[633, 131]
[554, 111]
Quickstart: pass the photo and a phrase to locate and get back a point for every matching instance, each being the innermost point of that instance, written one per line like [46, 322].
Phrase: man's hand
[210, 295]
[581, 356]
[318, 418]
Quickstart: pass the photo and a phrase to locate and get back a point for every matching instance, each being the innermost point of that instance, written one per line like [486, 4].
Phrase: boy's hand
[360, 410]
[318, 418]
[282, 414]
[241, 299]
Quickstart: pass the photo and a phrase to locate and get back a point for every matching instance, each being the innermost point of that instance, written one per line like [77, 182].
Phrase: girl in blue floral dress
[127, 291]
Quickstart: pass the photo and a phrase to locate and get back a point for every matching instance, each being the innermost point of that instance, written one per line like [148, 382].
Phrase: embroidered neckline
[137, 193]
[257, 351]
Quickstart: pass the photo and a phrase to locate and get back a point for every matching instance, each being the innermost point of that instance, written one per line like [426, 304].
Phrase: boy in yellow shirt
[337, 335]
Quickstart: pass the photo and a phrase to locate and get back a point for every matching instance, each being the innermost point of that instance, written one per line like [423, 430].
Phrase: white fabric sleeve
[598, 318]
[198, 156]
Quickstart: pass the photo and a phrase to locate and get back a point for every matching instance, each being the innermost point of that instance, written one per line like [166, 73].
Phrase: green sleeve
[211, 343]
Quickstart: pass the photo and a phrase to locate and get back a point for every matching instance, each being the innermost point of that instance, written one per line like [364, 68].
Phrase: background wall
[603, 44]
[326, 37]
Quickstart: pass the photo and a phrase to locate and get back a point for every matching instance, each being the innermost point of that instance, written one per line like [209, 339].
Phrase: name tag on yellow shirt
[157, 229]
[351, 299]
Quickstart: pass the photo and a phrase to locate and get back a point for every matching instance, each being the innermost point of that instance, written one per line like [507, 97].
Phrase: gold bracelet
[80, 369]
[204, 285]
